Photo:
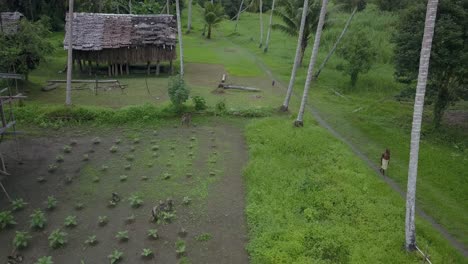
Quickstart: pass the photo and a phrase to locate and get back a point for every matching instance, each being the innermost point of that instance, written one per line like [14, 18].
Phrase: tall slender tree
[410, 228]
[267, 43]
[68, 99]
[238, 15]
[189, 20]
[297, 58]
[313, 59]
[261, 22]
[181, 44]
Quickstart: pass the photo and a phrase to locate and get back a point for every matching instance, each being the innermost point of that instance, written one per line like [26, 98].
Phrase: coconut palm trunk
[238, 15]
[313, 59]
[68, 99]
[189, 20]
[345, 29]
[168, 6]
[261, 24]
[410, 228]
[130, 7]
[297, 58]
[267, 43]
[181, 45]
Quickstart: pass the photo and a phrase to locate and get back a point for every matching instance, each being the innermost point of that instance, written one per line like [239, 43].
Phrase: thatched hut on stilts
[120, 41]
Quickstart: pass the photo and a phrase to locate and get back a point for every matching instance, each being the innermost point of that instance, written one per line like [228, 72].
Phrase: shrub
[122, 235]
[70, 221]
[91, 241]
[21, 240]
[18, 204]
[178, 92]
[57, 238]
[44, 260]
[115, 257]
[200, 103]
[220, 107]
[6, 219]
[135, 200]
[51, 203]
[38, 219]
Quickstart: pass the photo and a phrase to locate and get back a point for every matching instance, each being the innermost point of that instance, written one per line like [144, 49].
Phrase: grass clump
[115, 257]
[6, 219]
[57, 239]
[38, 219]
[18, 205]
[21, 239]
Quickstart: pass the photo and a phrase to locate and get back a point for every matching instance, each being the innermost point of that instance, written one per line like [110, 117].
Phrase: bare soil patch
[203, 164]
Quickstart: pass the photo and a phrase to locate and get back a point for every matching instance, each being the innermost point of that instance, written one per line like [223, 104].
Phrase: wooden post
[121, 69]
[97, 85]
[116, 71]
[90, 67]
[128, 69]
[109, 70]
[149, 68]
[171, 69]
[80, 64]
[158, 67]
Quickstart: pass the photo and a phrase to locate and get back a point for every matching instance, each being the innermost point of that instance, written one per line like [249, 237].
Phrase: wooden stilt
[80, 65]
[90, 67]
[128, 69]
[149, 68]
[109, 70]
[116, 73]
[121, 69]
[171, 69]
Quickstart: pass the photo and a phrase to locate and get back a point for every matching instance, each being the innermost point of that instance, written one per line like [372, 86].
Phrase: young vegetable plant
[122, 236]
[21, 240]
[51, 203]
[91, 241]
[38, 220]
[144, 178]
[79, 206]
[52, 168]
[73, 142]
[155, 148]
[67, 149]
[130, 157]
[96, 141]
[57, 238]
[59, 158]
[123, 178]
[115, 257]
[180, 247]
[18, 205]
[103, 220]
[112, 204]
[70, 221]
[135, 200]
[6, 219]
[44, 260]
[41, 179]
[130, 219]
[132, 149]
[147, 253]
[166, 176]
[118, 141]
[128, 167]
[104, 168]
[113, 149]
[153, 234]
[186, 200]
[136, 141]
[85, 157]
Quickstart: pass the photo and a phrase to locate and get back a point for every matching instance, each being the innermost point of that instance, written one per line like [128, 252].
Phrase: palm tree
[410, 228]
[285, 105]
[269, 26]
[214, 14]
[356, 5]
[189, 20]
[261, 23]
[68, 98]
[238, 15]
[300, 117]
[181, 45]
[290, 13]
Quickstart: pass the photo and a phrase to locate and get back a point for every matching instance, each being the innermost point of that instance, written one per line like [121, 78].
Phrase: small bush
[57, 238]
[18, 205]
[44, 260]
[38, 220]
[6, 219]
[21, 240]
[199, 102]
[178, 92]
[115, 257]
[220, 107]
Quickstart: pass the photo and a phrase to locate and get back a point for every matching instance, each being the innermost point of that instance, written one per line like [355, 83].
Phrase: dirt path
[462, 248]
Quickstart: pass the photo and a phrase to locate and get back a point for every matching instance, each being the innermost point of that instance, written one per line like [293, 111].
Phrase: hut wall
[128, 55]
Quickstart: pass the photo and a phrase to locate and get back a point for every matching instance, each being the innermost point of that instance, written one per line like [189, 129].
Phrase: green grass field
[304, 187]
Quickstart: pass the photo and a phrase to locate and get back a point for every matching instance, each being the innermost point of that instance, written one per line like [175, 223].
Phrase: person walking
[384, 161]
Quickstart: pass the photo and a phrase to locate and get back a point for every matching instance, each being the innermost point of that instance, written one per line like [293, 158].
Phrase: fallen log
[242, 88]
[83, 81]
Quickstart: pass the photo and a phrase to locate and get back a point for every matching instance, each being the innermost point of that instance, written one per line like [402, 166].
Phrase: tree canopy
[448, 70]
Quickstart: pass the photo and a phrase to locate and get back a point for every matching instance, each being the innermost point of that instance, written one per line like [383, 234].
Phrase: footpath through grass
[311, 200]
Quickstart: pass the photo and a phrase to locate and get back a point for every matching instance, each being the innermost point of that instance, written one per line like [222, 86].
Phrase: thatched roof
[95, 32]
[10, 22]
